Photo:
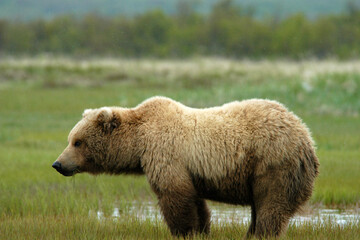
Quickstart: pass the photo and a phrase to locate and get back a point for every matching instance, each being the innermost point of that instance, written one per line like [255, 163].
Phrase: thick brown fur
[254, 152]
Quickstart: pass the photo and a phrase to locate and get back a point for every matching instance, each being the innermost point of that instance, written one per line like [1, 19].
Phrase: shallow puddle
[235, 214]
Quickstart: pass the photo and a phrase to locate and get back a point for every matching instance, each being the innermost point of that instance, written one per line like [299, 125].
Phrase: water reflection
[234, 214]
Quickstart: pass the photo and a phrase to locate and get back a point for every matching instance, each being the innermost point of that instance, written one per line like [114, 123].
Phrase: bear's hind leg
[271, 221]
[272, 205]
[204, 216]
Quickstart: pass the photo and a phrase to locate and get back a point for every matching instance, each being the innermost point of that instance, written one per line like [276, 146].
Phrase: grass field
[41, 99]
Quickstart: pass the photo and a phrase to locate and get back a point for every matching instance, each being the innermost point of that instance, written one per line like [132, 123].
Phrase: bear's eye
[77, 143]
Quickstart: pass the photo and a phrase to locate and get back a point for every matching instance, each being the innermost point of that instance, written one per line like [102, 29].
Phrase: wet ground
[235, 214]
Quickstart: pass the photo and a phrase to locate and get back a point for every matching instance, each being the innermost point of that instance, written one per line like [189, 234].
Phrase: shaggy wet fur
[253, 152]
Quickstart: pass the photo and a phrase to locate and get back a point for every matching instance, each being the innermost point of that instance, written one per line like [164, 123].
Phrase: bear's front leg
[184, 212]
[204, 216]
[180, 213]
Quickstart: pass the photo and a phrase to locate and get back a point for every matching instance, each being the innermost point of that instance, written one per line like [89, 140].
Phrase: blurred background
[182, 28]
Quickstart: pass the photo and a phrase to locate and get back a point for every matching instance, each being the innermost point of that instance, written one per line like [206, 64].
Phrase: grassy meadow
[41, 99]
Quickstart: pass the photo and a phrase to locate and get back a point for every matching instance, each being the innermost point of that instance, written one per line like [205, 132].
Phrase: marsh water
[149, 211]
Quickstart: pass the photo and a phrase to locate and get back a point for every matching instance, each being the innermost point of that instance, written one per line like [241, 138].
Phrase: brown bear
[254, 152]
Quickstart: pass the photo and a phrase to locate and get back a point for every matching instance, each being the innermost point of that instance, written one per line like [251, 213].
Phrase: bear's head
[96, 144]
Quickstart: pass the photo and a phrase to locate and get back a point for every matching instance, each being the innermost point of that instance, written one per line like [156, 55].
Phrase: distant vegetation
[227, 31]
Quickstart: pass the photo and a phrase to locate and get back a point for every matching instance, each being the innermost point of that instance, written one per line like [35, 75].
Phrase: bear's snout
[60, 169]
[57, 166]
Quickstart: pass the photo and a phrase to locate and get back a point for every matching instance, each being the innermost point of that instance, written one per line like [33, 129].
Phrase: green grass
[84, 227]
[37, 110]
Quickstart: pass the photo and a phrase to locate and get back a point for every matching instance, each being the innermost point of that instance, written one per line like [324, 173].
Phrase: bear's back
[224, 136]
[212, 142]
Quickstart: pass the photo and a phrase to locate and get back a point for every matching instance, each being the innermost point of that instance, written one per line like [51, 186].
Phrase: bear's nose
[57, 165]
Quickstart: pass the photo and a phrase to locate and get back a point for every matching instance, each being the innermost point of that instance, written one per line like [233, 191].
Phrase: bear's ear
[87, 112]
[108, 120]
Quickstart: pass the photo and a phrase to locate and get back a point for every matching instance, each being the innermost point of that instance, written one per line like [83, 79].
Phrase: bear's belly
[227, 190]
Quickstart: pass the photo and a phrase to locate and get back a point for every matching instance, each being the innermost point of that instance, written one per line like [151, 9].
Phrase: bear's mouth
[68, 173]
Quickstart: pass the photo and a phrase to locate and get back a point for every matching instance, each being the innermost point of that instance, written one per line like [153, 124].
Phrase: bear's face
[88, 143]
